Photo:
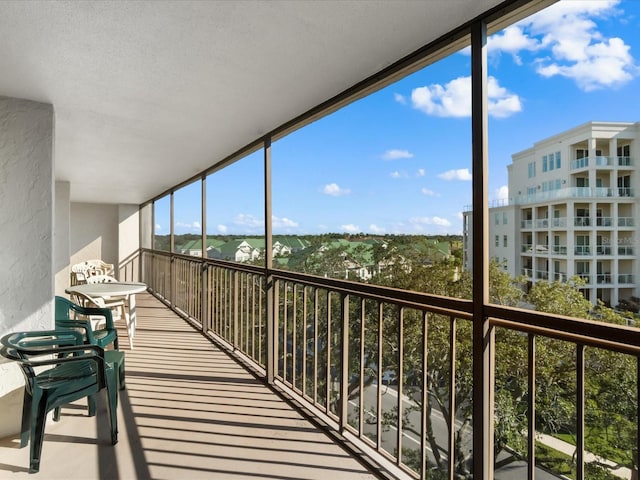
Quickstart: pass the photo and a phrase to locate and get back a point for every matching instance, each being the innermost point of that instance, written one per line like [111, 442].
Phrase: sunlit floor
[189, 411]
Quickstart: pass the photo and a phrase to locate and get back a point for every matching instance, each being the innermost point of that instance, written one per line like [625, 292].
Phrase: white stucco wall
[129, 242]
[146, 226]
[26, 243]
[94, 232]
[61, 237]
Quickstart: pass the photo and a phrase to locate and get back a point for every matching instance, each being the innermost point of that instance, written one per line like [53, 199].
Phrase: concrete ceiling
[149, 93]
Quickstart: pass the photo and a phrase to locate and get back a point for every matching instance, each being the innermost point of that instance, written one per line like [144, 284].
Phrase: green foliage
[561, 298]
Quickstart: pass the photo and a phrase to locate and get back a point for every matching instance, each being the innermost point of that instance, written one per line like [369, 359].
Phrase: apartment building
[572, 211]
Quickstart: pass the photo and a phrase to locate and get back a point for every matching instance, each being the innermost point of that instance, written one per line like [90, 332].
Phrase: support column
[483, 334]
[27, 244]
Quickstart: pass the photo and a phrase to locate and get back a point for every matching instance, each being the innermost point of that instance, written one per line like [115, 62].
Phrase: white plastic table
[115, 289]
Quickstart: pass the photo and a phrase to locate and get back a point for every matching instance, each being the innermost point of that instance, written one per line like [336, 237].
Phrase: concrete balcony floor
[189, 411]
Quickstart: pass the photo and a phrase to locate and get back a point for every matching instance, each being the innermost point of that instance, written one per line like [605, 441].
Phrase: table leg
[131, 327]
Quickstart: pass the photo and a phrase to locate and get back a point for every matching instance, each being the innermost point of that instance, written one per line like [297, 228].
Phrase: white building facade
[573, 210]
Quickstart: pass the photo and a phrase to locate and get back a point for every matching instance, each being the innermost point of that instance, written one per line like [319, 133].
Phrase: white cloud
[429, 193]
[222, 228]
[247, 220]
[397, 174]
[421, 172]
[158, 227]
[396, 154]
[512, 40]
[459, 216]
[375, 229]
[574, 47]
[335, 190]
[502, 193]
[400, 98]
[350, 228]
[438, 221]
[460, 174]
[282, 222]
[454, 99]
[194, 226]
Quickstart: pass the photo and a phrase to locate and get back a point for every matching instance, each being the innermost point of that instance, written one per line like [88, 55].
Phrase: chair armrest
[95, 311]
[84, 325]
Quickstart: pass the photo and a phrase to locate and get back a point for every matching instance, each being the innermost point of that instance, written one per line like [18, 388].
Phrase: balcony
[558, 249]
[574, 192]
[192, 409]
[601, 161]
[582, 250]
[626, 278]
[582, 222]
[604, 221]
[189, 411]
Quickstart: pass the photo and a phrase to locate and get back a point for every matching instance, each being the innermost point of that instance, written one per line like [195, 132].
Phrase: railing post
[204, 320]
[344, 363]
[236, 299]
[268, 265]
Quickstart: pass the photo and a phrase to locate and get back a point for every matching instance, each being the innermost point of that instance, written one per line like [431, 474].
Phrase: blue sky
[399, 161]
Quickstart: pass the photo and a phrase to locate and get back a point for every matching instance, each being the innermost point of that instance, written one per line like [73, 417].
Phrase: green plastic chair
[58, 369]
[68, 317]
[102, 337]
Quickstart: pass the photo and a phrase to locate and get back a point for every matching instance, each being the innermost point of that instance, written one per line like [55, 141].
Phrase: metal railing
[390, 369]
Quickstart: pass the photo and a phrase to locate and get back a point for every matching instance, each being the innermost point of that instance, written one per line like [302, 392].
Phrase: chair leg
[112, 404]
[91, 401]
[121, 382]
[26, 419]
[38, 421]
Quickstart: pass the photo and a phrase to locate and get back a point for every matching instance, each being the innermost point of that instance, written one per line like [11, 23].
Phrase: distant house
[194, 247]
[249, 249]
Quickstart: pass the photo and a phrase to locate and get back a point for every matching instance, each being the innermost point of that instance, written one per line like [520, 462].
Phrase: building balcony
[601, 161]
[558, 249]
[582, 222]
[542, 223]
[626, 222]
[574, 192]
[582, 250]
[625, 250]
[603, 250]
[626, 278]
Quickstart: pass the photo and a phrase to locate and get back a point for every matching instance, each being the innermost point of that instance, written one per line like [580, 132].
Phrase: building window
[557, 159]
[551, 161]
[497, 240]
[504, 241]
[544, 163]
[532, 169]
[497, 219]
[504, 218]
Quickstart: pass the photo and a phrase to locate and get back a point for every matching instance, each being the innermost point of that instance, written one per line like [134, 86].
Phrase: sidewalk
[568, 449]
